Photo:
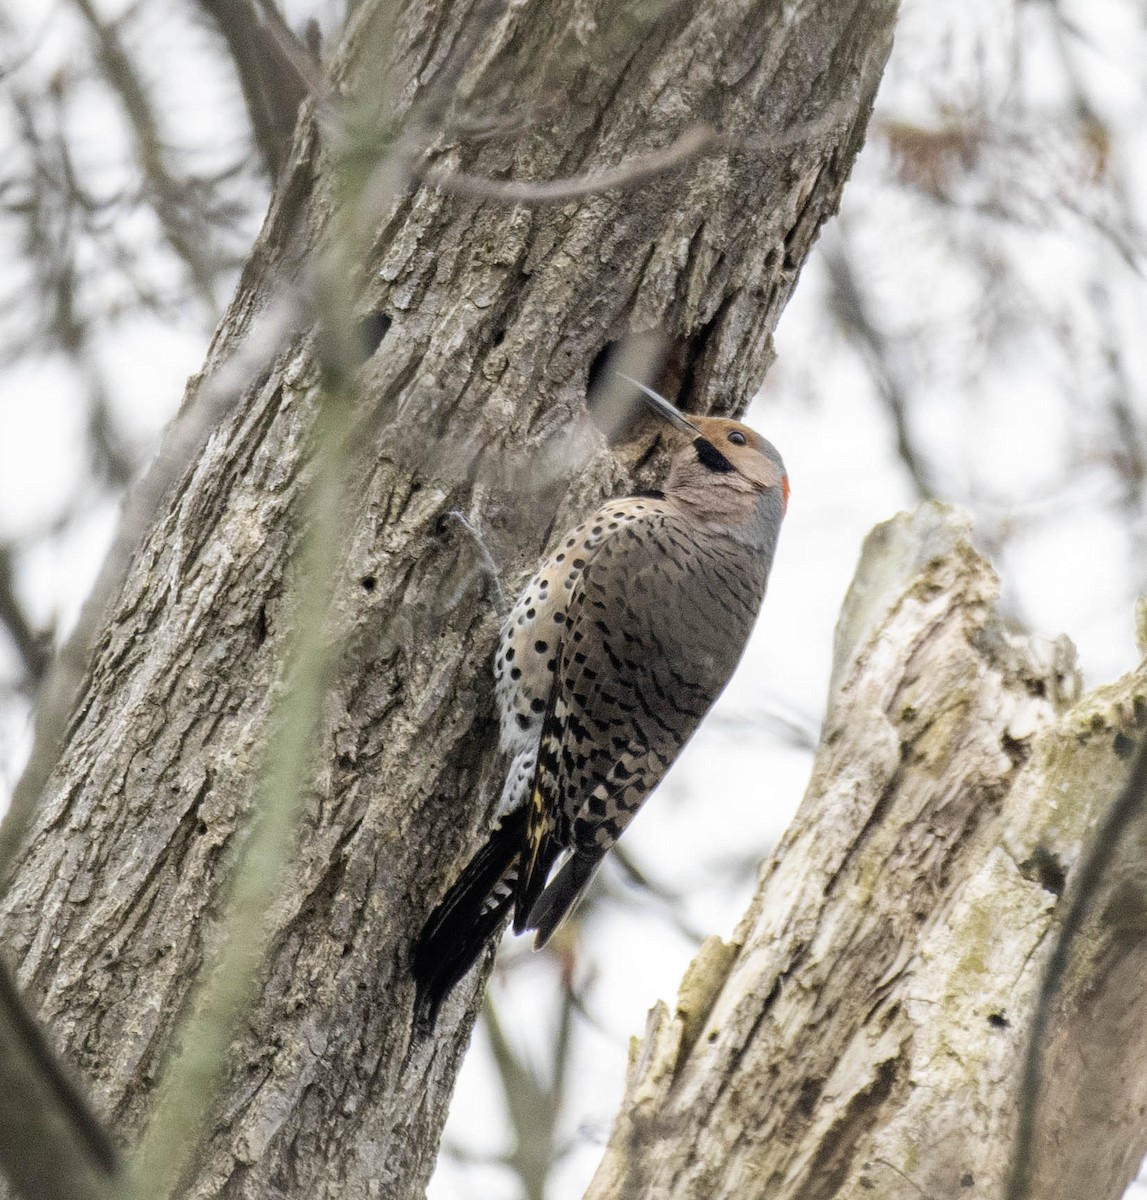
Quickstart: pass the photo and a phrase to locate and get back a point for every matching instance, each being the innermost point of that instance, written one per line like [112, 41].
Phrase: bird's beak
[662, 407]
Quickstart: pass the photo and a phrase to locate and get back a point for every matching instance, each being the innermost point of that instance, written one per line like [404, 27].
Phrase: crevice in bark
[835, 1156]
[1043, 867]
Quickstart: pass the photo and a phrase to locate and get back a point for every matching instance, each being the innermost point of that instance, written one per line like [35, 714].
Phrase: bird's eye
[737, 437]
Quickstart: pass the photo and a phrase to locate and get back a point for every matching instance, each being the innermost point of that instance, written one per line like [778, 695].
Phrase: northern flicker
[611, 657]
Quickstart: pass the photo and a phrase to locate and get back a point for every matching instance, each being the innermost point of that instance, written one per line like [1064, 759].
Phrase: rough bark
[864, 1032]
[486, 323]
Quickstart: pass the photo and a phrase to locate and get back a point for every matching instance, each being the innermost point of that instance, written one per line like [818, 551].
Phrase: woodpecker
[608, 662]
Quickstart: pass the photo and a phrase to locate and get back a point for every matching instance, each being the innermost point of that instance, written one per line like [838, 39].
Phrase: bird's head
[720, 453]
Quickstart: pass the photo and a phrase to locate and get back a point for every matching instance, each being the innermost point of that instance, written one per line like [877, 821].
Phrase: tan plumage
[609, 660]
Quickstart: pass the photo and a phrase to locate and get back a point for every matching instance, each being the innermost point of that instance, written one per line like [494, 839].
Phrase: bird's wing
[656, 625]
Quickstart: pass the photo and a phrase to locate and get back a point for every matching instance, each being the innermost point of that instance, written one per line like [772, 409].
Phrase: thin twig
[851, 310]
[486, 559]
[31, 647]
[188, 1088]
[166, 191]
[695, 142]
[52, 1145]
[671, 903]
[295, 53]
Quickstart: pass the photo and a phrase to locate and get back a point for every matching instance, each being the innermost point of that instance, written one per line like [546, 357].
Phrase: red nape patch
[785, 489]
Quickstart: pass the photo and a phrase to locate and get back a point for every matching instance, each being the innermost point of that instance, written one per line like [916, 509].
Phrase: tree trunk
[864, 1032]
[484, 322]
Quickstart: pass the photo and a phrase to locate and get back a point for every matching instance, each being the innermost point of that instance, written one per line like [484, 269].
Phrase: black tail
[458, 930]
[560, 897]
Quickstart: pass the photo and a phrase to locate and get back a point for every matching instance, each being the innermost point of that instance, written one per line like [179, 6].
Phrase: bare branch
[851, 310]
[188, 1088]
[165, 189]
[533, 1101]
[268, 74]
[30, 645]
[52, 1146]
[696, 141]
